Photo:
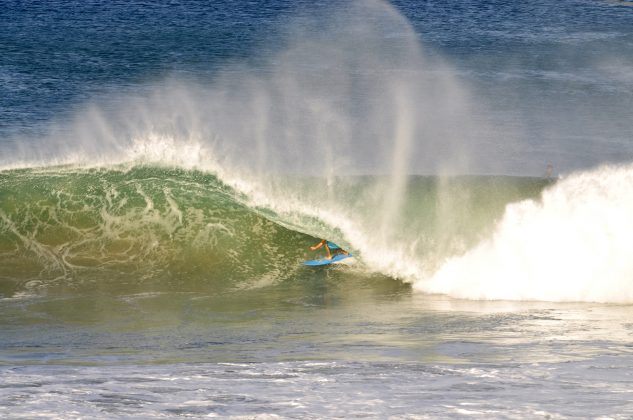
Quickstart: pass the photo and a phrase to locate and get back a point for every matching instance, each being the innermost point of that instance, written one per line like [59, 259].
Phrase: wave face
[510, 238]
[186, 229]
[140, 225]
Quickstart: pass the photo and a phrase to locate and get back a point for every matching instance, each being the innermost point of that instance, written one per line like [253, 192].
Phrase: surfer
[330, 248]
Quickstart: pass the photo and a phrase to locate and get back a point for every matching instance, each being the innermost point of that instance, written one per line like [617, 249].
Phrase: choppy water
[165, 167]
[326, 389]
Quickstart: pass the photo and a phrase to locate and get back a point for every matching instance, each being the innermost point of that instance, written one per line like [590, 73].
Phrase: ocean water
[165, 167]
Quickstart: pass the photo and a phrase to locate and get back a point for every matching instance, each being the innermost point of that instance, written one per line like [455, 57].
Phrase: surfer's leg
[328, 253]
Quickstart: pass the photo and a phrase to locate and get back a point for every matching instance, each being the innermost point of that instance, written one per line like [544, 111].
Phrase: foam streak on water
[598, 387]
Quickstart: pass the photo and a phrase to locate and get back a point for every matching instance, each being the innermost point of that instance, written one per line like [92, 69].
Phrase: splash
[572, 245]
[353, 92]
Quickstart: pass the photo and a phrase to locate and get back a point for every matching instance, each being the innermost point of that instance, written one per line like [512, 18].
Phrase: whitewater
[165, 168]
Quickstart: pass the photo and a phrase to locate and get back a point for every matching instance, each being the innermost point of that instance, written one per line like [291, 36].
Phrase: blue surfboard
[325, 261]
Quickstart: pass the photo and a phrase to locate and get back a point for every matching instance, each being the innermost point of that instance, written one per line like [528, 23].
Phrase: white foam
[572, 245]
[600, 386]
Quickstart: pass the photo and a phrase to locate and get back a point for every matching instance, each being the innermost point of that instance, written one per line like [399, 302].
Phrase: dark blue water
[545, 65]
[57, 54]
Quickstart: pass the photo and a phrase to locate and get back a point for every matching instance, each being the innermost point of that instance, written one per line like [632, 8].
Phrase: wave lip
[572, 245]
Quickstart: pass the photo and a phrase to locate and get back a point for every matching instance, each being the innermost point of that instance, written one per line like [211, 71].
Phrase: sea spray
[574, 244]
[351, 93]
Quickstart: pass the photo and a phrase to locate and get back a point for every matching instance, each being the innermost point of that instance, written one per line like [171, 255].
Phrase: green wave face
[143, 228]
[133, 229]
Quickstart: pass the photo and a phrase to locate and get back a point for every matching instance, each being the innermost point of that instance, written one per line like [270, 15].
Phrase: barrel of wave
[574, 244]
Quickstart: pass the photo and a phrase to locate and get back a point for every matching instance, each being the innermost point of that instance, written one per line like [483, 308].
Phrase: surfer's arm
[317, 246]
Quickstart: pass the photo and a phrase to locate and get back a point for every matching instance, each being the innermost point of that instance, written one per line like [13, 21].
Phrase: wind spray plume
[352, 93]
